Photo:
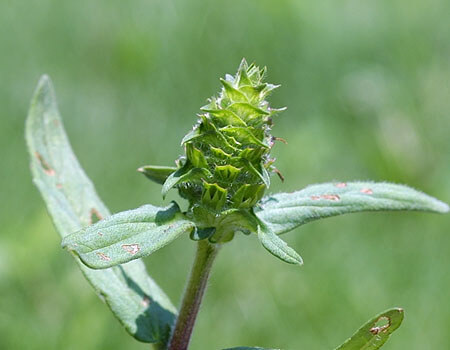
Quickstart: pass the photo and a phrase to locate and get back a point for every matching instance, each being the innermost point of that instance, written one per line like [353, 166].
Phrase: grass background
[368, 95]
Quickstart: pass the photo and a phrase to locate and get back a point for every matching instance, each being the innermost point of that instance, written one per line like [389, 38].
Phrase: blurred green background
[368, 95]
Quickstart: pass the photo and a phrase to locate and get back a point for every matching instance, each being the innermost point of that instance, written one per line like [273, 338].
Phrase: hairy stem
[206, 252]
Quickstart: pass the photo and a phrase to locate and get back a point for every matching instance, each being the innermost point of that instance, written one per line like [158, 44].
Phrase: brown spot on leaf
[104, 257]
[59, 186]
[47, 168]
[331, 197]
[94, 216]
[146, 301]
[341, 185]
[381, 325]
[366, 191]
[100, 234]
[131, 248]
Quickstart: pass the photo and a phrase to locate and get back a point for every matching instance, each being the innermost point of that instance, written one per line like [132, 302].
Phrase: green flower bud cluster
[227, 154]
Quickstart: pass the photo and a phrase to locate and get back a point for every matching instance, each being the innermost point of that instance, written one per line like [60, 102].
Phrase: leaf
[224, 117]
[128, 235]
[375, 332]
[186, 173]
[276, 246]
[243, 134]
[232, 93]
[283, 212]
[156, 173]
[133, 297]
[200, 234]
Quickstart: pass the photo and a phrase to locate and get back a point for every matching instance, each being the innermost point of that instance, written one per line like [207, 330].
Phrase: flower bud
[226, 164]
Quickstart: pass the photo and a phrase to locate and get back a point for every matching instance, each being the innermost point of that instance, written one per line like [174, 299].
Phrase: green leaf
[128, 235]
[283, 212]
[158, 174]
[375, 332]
[231, 221]
[232, 93]
[225, 117]
[243, 134]
[276, 246]
[182, 175]
[200, 234]
[195, 156]
[133, 297]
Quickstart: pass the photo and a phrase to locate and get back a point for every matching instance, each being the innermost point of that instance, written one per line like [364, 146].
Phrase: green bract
[224, 174]
[226, 164]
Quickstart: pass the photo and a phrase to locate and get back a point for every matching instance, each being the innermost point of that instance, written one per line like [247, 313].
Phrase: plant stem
[206, 252]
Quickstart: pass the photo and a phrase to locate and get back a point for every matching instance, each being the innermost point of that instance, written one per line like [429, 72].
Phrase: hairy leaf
[283, 212]
[375, 332]
[133, 297]
[276, 246]
[128, 235]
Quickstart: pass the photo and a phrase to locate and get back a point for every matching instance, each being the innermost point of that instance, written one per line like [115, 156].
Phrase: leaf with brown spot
[372, 336]
[70, 198]
[283, 212]
[131, 248]
[128, 235]
[46, 168]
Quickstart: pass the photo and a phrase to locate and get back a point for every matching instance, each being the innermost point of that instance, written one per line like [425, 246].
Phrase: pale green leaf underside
[134, 298]
[283, 212]
[128, 235]
[276, 246]
[375, 332]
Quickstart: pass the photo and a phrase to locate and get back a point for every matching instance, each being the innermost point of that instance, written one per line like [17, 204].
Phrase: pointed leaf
[283, 212]
[375, 332]
[232, 93]
[186, 173]
[276, 246]
[158, 174]
[262, 173]
[243, 134]
[195, 156]
[133, 297]
[225, 117]
[128, 235]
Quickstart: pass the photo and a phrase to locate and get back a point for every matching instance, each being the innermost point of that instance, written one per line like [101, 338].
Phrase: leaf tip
[442, 207]
[44, 85]
[44, 79]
